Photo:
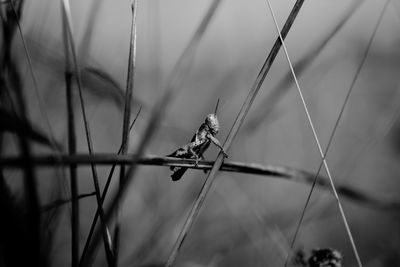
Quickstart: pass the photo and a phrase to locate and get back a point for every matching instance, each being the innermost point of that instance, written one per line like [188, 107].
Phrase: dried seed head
[325, 258]
[212, 123]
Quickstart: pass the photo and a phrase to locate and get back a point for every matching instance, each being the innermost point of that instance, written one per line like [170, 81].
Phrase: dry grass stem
[160, 108]
[70, 43]
[127, 115]
[367, 49]
[234, 130]
[280, 172]
[103, 197]
[263, 111]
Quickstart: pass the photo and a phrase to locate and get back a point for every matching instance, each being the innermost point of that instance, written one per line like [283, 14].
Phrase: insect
[198, 144]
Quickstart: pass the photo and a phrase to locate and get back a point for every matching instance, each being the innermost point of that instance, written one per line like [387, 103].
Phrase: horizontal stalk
[287, 173]
[108, 159]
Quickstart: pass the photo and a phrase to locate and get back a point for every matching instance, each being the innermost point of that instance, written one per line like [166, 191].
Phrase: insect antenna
[216, 107]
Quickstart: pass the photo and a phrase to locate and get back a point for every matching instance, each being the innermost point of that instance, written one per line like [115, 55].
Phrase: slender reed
[174, 85]
[73, 171]
[263, 110]
[72, 151]
[234, 130]
[103, 196]
[335, 128]
[71, 44]
[278, 172]
[127, 116]
[317, 142]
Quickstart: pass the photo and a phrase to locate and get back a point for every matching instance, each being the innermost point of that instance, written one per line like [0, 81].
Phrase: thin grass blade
[263, 110]
[334, 131]
[127, 115]
[194, 212]
[310, 122]
[103, 197]
[72, 169]
[174, 85]
[72, 151]
[71, 44]
[34, 80]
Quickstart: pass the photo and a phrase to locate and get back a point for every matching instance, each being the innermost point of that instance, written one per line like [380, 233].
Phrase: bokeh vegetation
[247, 219]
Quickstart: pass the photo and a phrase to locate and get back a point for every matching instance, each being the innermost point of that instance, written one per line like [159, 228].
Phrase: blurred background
[247, 220]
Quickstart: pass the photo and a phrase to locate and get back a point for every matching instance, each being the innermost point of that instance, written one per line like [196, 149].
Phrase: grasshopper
[198, 144]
